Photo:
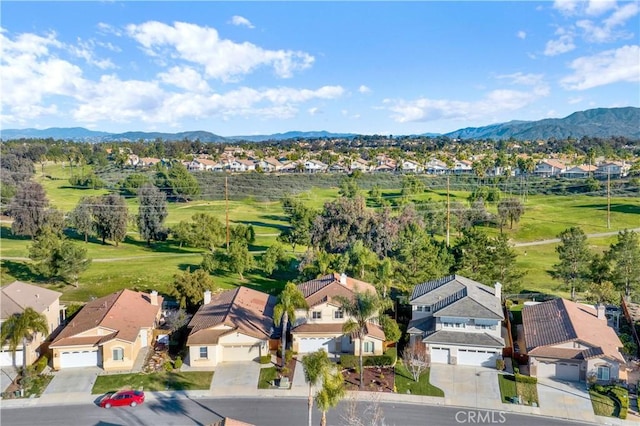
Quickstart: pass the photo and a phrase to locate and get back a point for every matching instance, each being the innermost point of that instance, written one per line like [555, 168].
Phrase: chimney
[207, 297]
[343, 278]
[600, 311]
[154, 298]
[498, 290]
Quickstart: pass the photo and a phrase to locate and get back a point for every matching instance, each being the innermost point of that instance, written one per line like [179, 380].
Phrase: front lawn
[268, 376]
[603, 405]
[406, 384]
[160, 381]
[609, 401]
[510, 389]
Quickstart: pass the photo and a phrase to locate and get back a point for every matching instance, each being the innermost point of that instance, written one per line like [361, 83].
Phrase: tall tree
[111, 215]
[20, 329]
[28, 209]
[81, 217]
[502, 267]
[361, 260]
[420, 257]
[274, 258]
[625, 258]
[284, 312]
[152, 212]
[178, 182]
[206, 231]
[239, 258]
[340, 224]
[71, 260]
[575, 257]
[189, 287]
[300, 218]
[510, 209]
[315, 366]
[361, 310]
[331, 393]
[55, 256]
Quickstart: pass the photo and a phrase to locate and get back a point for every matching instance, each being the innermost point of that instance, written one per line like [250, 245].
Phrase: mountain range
[599, 122]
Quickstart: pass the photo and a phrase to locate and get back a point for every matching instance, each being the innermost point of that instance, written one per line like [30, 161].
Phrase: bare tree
[370, 415]
[416, 359]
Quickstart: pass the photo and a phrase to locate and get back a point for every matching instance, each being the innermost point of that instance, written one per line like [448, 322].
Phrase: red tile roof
[325, 288]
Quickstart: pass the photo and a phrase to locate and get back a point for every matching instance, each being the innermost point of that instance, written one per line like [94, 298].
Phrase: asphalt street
[262, 411]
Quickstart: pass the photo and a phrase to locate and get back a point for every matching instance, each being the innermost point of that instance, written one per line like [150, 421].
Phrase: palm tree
[315, 366]
[22, 328]
[361, 310]
[284, 312]
[331, 393]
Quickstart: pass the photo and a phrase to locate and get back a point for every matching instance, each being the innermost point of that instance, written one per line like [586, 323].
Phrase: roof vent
[343, 278]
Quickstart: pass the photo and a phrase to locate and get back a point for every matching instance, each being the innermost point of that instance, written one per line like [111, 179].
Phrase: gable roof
[559, 321]
[18, 296]
[124, 312]
[325, 288]
[242, 309]
[457, 296]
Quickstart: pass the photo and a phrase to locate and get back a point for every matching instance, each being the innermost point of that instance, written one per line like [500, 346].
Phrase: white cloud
[314, 111]
[622, 14]
[364, 89]
[565, 6]
[221, 59]
[598, 7]
[563, 44]
[611, 66]
[494, 102]
[521, 34]
[185, 78]
[85, 50]
[573, 101]
[241, 21]
[520, 78]
[106, 29]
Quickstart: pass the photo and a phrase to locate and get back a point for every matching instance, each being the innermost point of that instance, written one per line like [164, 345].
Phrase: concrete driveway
[467, 386]
[7, 376]
[565, 400]
[73, 384]
[235, 375]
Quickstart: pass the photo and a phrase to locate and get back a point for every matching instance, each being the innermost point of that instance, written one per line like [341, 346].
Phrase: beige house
[570, 341]
[321, 326]
[109, 332]
[234, 325]
[18, 296]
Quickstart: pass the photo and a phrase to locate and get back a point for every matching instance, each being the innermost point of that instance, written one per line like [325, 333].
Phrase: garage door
[566, 371]
[546, 369]
[439, 355]
[479, 358]
[312, 344]
[79, 359]
[6, 358]
[240, 353]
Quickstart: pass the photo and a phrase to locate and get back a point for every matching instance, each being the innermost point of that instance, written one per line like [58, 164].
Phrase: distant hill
[599, 122]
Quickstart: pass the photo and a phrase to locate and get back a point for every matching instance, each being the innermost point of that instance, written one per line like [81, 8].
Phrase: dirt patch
[376, 379]
[289, 368]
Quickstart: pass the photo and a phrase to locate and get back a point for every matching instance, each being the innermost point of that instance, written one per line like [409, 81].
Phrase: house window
[419, 308]
[368, 347]
[603, 372]
[339, 314]
[317, 315]
[204, 352]
[118, 354]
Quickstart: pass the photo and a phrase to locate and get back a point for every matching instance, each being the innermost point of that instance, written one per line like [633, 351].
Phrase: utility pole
[608, 197]
[448, 211]
[226, 201]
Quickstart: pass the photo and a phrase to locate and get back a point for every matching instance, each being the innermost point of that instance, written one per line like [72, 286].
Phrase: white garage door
[6, 358]
[79, 359]
[546, 369]
[480, 358]
[439, 355]
[312, 344]
[240, 353]
[566, 371]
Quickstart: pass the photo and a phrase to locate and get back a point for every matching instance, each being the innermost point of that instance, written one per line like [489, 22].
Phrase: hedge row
[526, 379]
[352, 361]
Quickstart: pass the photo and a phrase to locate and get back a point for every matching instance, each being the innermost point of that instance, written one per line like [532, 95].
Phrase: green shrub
[353, 361]
[288, 356]
[393, 354]
[265, 359]
[168, 367]
[41, 364]
[500, 365]
[516, 370]
[349, 361]
[525, 379]
[178, 363]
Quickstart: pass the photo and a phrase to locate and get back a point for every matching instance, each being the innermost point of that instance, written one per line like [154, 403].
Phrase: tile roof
[559, 321]
[465, 339]
[124, 312]
[455, 295]
[373, 330]
[325, 288]
[242, 309]
[18, 296]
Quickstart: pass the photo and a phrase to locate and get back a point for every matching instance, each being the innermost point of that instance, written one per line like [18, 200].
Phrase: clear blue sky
[242, 68]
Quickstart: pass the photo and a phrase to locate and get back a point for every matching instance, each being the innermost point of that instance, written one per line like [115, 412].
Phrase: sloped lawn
[160, 381]
[406, 384]
[510, 389]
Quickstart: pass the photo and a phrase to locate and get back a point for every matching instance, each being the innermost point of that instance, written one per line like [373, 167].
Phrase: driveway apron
[71, 384]
[569, 400]
[467, 386]
[233, 377]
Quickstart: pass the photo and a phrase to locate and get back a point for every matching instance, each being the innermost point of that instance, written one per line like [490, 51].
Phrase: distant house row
[557, 168]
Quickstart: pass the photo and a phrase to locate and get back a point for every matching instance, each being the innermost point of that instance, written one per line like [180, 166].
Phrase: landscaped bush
[265, 359]
[352, 361]
[526, 379]
[178, 363]
[621, 395]
[500, 365]
[349, 361]
[392, 353]
[41, 364]
[168, 367]
[288, 356]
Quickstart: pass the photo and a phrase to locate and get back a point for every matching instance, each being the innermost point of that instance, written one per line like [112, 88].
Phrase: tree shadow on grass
[5, 232]
[21, 271]
[276, 217]
[168, 246]
[255, 223]
[618, 208]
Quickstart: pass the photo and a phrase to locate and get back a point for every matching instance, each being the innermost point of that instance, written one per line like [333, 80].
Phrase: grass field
[153, 382]
[133, 265]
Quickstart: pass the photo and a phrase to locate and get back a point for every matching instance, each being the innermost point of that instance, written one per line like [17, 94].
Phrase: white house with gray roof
[458, 320]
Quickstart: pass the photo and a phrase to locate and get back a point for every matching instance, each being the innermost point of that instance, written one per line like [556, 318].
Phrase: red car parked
[130, 397]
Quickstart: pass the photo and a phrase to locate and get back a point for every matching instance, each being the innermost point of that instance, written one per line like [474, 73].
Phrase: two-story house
[15, 298]
[458, 320]
[321, 326]
[549, 168]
